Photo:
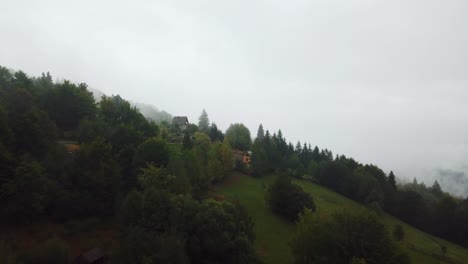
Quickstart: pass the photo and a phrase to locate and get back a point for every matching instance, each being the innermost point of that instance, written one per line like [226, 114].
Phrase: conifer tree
[204, 122]
[260, 132]
[391, 180]
[298, 147]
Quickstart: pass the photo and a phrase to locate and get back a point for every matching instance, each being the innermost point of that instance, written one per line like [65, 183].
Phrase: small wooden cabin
[244, 156]
[180, 122]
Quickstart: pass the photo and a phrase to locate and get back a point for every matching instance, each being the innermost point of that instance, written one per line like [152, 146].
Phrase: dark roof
[179, 120]
[92, 256]
[240, 152]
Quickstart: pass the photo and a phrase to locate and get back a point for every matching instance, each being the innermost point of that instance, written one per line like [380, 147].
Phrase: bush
[144, 246]
[288, 199]
[398, 233]
[179, 229]
[154, 151]
[53, 251]
[344, 238]
[443, 249]
[7, 254]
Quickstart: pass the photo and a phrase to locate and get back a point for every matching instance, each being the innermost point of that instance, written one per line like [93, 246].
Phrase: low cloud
[453, 181]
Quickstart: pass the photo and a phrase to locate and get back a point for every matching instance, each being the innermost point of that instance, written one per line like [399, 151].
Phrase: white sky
[385, 82]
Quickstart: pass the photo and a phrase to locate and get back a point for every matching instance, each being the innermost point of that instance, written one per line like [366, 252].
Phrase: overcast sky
[385, 82]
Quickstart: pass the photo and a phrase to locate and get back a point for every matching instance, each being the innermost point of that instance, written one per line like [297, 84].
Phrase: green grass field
[273, 233]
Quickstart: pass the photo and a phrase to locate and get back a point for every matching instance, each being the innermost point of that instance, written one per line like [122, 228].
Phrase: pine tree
[298, 147]
[316, 154]
[260, 132]
[280, 135]
[436, 189]
[215, 134]
[392, 180]
[204, 122]
[267, 138]
[290, 147]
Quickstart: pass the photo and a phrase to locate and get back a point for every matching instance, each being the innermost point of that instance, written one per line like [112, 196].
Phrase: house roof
[240, 152]
[72, 148]
[179, 120]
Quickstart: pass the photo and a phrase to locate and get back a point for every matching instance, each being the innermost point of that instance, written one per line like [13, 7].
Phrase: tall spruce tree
[260, 132]
[204, 122]
[392, 180]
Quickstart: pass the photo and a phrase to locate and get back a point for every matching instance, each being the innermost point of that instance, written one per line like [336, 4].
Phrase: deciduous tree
[238, 137]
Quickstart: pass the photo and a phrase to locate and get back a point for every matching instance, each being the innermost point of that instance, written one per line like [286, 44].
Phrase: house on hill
[71, 148]
[244, 156]
[180, 122]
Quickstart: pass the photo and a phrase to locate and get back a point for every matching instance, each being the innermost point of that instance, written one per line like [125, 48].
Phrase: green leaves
[27, 194]
[238, 137]
[154, 151]
[68, 103]
[344, 237]
[288, 199]
[154, 177]
[213, 232]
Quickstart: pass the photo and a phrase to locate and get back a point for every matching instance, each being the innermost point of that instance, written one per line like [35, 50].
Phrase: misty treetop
[203, 122]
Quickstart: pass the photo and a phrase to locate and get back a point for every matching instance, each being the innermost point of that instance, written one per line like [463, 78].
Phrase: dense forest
[64, 156]
[123, 167]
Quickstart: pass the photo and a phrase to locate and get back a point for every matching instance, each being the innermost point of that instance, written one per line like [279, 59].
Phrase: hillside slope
[273, 233]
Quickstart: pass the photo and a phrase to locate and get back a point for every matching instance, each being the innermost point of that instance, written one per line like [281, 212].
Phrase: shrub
[288, 199]
[398, 233]
[53, 251]
[7, 254]
[345, 238]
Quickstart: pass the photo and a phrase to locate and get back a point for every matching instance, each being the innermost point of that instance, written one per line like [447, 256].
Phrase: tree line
[427, 208]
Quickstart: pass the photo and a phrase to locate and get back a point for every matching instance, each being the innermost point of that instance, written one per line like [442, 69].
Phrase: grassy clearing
[274, 233]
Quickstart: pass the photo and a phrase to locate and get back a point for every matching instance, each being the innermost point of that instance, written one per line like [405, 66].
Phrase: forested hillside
[67, 160]
[428, 208]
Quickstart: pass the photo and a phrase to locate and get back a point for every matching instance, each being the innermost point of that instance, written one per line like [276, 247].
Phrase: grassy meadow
[274, 233]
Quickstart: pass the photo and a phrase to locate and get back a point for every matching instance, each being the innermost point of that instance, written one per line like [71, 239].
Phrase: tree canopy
[238, 137]
[288, 199]
[344, 237]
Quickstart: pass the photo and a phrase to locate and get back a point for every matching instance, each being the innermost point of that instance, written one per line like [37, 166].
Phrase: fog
[385, 82]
